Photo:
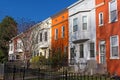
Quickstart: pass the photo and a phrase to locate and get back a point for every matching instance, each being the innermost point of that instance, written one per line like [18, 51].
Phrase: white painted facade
[81, 38]
[42, 47]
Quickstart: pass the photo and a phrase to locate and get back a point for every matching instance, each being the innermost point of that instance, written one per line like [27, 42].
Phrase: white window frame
[114, 57]
[101, 18]
[112, 1]
[82, 22]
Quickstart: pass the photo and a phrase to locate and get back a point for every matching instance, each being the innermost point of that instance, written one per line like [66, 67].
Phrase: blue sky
[36, 10]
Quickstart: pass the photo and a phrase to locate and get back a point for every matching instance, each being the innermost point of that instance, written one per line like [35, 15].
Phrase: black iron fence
[15, 73]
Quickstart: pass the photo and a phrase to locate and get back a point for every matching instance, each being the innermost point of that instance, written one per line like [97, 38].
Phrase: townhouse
[59, 40]
[42, 38]
[15, 48]
[107, 38]
[82, 34]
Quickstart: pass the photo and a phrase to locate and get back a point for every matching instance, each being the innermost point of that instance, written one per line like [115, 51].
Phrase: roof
[62, 11]
[74, 4]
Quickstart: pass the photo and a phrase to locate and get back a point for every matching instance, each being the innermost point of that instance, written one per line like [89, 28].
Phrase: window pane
[115, 51]
[114, 41]
[84, 19]
[84, 26]
[75, 25]
[84, 22]
[114, 46]
[113, 15]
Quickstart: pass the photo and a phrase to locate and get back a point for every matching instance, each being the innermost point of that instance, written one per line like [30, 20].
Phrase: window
[81, 51]
[84, 23]
[114, 46]
[63, 31]
[100, 18]
[46, 36]
[56, 34]
[19, 45]
[92, 52]
[40, 37]
[113, 11]
[36, 39]
[75, 24]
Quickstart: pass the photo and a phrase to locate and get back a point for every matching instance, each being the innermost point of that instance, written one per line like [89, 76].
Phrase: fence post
[23, 73]
[14, 68]
[66, 75]
[38, 73]
[4, 73]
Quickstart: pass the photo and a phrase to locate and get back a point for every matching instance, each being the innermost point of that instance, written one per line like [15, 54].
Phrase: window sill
[113, 21]
[114, 58]
[100, 25]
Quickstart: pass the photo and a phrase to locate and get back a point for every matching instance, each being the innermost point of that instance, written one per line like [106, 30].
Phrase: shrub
[38, 61]
[58, 59]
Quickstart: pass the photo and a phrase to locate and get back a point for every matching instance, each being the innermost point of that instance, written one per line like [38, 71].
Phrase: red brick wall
[104, 32]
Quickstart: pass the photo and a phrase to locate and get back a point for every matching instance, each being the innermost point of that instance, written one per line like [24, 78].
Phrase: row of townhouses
[87, 31]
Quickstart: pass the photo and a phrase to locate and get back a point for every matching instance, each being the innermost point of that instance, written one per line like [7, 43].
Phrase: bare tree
[24, 24]
[28, 39]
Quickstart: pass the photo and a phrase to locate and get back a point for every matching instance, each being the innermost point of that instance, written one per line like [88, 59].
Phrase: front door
[102, 52]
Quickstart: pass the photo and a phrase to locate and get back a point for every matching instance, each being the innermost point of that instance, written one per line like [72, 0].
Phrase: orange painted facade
[58, 21]
[105, 31]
